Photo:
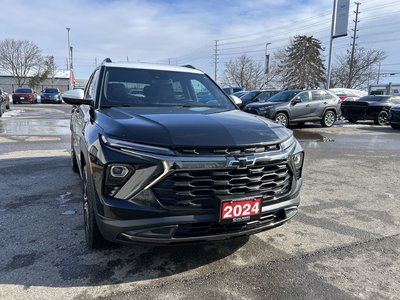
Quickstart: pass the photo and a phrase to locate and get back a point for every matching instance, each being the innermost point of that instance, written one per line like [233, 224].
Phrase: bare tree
[19, 58]
[51, 67]
[364, 64]
[301, 64]
[46, 70]
[243, 72]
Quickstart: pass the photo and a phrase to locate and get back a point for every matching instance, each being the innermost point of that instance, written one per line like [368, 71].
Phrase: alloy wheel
[329, 119]
[281, 119]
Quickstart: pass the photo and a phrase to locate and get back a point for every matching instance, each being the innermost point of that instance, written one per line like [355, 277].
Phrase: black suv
[299, 106]
[371, 107]
[160, 165]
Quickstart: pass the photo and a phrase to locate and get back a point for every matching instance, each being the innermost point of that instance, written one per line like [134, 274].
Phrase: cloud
[179, 30]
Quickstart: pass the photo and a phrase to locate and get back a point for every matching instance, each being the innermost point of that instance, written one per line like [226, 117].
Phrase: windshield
[142, 88]
[284, 96]
[51, 91]
[250, 95]
[24, 91]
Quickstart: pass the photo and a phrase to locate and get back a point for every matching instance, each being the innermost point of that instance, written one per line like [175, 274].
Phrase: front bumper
[195, 228]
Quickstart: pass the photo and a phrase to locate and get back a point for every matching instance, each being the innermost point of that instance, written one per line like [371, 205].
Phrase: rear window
[24, 91]
[141, 87]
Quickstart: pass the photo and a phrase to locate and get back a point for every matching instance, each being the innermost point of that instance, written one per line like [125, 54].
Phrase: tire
[395, 126]
[328, 119]
[282, 119]
[75, 166]
[382, 118]
[94, 239]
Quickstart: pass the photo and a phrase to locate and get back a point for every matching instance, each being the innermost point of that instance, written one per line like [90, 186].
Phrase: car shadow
[42, 235]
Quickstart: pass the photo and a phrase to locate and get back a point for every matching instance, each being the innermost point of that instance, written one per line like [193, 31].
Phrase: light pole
[69, 59]
[266, 70]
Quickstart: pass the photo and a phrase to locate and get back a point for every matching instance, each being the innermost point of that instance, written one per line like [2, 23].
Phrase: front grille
[227, 150]
[200, 189]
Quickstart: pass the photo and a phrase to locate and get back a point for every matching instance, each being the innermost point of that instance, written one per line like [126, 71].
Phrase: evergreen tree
[301, 65]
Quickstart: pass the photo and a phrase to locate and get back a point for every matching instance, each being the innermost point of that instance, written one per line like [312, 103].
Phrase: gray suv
[299, 106]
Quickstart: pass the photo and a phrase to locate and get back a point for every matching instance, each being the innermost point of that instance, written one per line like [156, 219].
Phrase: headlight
[298, 159]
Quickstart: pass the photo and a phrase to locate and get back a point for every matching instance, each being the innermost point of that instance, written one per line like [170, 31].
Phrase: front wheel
[328, 119]
[282, 119]
[382, 118]
[94, 239]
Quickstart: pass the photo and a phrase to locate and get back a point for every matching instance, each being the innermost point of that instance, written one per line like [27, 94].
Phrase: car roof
[147, 66]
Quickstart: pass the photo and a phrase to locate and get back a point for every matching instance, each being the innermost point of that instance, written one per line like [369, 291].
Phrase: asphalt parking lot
[343, 244]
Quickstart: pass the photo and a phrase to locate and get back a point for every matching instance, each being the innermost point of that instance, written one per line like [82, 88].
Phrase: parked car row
[28, 95]
[289, 107]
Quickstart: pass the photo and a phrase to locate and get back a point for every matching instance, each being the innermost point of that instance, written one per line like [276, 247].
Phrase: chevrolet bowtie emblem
[241, 162]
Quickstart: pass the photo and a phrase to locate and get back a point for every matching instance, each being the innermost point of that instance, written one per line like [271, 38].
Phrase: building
[60, 81]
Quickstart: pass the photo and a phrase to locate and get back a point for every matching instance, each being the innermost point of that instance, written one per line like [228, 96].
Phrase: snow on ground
[12, 113]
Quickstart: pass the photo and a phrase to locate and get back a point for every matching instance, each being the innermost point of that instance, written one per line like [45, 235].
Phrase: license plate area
[240, 210]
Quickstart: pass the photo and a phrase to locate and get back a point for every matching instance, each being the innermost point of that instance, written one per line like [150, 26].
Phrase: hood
[189, 127]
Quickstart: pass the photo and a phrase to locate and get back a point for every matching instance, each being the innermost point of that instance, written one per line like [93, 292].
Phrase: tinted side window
[317, 95]
[304, 96]
[91, 86]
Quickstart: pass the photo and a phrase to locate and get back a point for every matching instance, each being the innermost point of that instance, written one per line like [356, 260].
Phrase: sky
[184, 31]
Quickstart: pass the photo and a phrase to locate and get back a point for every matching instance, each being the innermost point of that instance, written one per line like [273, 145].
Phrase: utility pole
[69, 59]
[379, 73]
[215, 60]
[353, 46]
[266, 70]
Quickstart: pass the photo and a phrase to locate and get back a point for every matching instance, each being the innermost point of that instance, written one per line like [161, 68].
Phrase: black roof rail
[188, 66]
[107, 60]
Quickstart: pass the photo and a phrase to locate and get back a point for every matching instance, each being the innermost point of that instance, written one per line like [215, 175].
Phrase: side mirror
[76, 97]
[296, 100]
[237, 100]
[256, 100]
